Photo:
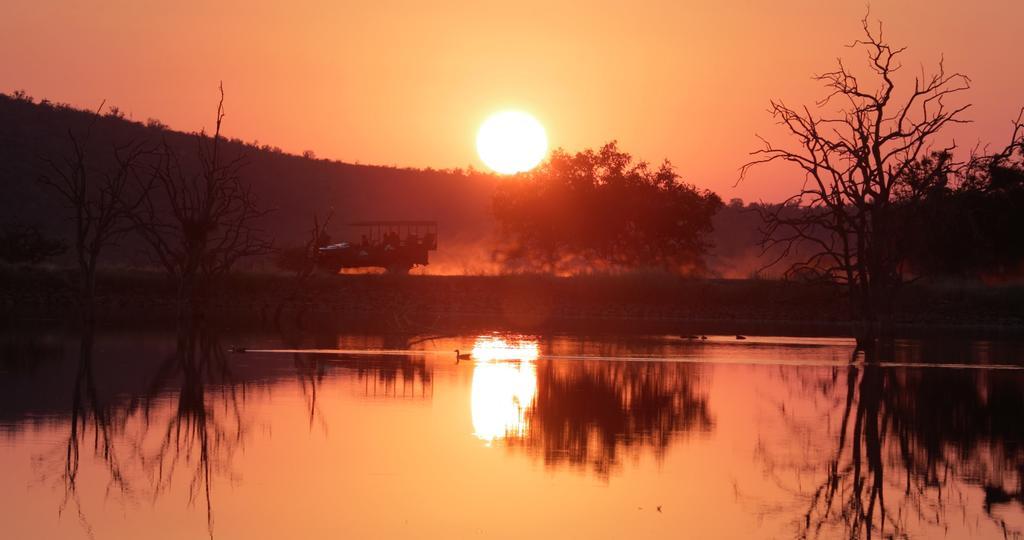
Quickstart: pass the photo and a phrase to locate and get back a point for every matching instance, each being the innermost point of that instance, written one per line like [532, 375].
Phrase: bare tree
[859, 163]
[95, 190]
[984, 171]
[198, 215]
[303, 262]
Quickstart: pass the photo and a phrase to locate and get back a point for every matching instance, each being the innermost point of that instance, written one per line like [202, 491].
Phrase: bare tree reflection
[410, 377]
[181, 429]
[382, 376]
[309, 370]
[175, 424]
[907, 442]
[587, 414]
[92, 420]
[204, 429]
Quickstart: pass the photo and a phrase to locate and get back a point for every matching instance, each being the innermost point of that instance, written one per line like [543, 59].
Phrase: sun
[511, 142]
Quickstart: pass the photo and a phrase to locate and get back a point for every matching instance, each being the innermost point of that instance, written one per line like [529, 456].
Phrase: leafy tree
[601, 209]
[969, 225]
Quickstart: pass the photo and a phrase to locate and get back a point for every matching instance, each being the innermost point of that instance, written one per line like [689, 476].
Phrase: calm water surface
[169, 435]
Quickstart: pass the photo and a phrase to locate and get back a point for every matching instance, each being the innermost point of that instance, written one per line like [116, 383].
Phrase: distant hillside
[295, 187]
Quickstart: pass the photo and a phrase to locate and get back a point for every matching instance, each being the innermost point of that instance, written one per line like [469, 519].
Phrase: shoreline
[627, 303]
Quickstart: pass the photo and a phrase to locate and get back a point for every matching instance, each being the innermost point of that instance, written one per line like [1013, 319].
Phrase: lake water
[139, 434]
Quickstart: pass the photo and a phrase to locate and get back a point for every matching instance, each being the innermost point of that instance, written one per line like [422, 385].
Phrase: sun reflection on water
[504, 386]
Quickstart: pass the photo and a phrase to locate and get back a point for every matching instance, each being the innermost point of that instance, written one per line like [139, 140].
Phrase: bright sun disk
[511, 142]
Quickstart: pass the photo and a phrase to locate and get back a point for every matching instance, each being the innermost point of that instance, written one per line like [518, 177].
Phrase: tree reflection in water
[142, 437]
[907, 443]
[586, 414]
[205, 428]
[867, 450]
[582, 413]
[381, 375]
[176, 424]
[90, 417]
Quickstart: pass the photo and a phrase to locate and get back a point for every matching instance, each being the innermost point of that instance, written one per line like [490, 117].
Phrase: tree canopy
[969, 225]
[601, 209]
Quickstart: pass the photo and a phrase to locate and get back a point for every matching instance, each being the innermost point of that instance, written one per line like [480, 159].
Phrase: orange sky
[408, 83]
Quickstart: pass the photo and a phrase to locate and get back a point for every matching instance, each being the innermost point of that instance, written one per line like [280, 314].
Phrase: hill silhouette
[295, 187]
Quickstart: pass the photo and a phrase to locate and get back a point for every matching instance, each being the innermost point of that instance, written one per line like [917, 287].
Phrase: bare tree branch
[859, 152]
[198, 215]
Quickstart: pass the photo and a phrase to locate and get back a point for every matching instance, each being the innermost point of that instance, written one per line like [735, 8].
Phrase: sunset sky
[408, 84]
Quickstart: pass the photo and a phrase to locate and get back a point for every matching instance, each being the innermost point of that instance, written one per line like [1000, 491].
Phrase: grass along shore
[520, 301]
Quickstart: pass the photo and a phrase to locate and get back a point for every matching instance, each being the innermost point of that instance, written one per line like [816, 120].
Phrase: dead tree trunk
[199, 216]
[94, 187]
[860, 154]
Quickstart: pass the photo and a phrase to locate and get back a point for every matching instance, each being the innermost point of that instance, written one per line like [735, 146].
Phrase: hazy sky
[404, 83]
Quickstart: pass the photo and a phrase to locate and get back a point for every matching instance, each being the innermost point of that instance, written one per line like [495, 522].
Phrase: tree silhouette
[97, 196]
[969, 228]
[858, 163]
[198, 216]
[602, 209]
[302, 262]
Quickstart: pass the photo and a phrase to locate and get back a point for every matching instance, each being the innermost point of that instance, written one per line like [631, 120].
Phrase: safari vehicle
[395, 246]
